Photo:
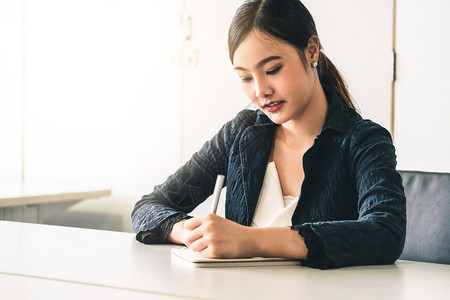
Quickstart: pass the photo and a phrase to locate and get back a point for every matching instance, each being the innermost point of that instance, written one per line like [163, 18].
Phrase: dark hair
[290, 21]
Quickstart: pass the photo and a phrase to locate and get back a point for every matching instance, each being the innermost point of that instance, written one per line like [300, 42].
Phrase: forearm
[356, 242]
[276, 242]
[214, 236]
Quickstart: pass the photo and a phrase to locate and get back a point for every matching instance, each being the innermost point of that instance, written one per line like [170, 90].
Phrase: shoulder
[251, 117]
[246, 118]
[365, 131]
[371, 146]
[345, 123]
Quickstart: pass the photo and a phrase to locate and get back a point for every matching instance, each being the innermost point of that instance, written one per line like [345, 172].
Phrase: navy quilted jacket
[351, 209]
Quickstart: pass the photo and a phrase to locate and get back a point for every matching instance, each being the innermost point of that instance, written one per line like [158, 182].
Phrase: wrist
[177, 234]
[253, 244]
[276, 242]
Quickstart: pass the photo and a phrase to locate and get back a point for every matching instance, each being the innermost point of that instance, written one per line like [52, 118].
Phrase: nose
[262, 89]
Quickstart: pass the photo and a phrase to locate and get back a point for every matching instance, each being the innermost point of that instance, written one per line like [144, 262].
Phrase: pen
[217, 188]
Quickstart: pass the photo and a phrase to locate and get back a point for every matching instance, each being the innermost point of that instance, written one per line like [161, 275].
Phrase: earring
[314, 64]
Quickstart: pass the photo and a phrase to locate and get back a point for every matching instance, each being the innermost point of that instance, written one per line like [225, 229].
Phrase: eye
[273, 71]
[246, 79]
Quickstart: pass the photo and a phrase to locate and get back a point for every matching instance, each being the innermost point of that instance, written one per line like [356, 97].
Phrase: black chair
[428, 216]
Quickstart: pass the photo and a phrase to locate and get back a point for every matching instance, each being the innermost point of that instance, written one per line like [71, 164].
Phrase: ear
[312, 49]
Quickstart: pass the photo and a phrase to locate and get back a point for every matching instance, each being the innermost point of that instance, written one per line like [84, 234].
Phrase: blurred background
[117, 94]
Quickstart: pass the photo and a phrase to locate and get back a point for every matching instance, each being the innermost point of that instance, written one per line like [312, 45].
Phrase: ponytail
[330, 76]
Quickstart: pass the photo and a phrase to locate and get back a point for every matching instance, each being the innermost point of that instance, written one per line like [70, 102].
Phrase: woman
[342, 201]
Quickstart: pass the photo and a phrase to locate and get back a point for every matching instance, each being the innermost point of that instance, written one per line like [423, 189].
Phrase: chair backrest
[428, 216]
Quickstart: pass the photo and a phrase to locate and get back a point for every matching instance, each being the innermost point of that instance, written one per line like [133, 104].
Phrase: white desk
[35, 201]
[21, 287]
[101, 262]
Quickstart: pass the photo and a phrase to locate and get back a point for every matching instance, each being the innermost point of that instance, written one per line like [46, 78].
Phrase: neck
[309, 124]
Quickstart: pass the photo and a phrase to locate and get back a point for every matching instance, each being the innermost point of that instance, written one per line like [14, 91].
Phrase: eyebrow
[261, 63]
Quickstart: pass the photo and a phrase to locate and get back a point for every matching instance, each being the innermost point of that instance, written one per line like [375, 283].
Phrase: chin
[275, 118]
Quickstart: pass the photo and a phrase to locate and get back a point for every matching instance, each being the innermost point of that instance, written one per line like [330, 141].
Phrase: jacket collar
[338, 113]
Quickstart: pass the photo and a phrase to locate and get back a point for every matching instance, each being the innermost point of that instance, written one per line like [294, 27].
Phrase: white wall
[422, 89]
[10, 89]
[102, 100]
[357, 37]
[212, 92]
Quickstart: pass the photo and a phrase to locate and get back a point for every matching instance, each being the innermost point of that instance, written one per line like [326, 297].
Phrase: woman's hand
[178, 233]
[214, 236]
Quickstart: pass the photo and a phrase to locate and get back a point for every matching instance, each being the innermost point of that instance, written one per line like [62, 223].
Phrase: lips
[273, 106]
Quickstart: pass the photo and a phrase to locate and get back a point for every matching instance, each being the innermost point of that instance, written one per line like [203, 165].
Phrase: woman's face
[272, 70]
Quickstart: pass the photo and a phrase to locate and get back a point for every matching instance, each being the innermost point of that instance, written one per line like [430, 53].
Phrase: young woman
[306, 176]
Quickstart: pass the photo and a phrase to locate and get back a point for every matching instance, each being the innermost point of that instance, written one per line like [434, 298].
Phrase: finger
[210, 252]
[199, 245]
[194, 235]
[193, 223]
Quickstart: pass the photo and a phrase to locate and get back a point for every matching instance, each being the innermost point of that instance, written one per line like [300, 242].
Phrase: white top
[273, 209]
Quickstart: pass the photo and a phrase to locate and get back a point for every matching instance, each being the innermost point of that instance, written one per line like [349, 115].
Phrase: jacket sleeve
[378, 235]
[154, 215]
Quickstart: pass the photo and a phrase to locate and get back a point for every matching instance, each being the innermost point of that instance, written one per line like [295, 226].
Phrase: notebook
[194, 258]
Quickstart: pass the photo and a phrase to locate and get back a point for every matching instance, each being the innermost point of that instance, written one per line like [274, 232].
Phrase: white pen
[217, 189]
